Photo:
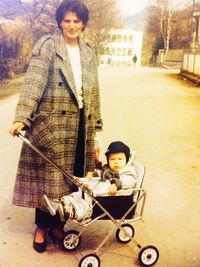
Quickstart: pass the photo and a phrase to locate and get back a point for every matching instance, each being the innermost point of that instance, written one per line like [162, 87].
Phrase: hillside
[137, 21]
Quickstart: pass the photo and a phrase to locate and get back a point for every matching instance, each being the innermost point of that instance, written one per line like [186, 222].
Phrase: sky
[131, 7]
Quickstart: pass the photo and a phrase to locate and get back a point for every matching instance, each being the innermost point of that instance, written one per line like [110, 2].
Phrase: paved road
[158, 116]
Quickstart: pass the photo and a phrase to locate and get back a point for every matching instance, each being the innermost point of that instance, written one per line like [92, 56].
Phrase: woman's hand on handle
[16, 128]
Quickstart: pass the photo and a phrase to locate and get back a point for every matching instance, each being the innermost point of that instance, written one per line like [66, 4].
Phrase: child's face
[116, 161]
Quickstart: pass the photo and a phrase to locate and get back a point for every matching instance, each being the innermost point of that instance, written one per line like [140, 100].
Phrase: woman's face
[72, 26]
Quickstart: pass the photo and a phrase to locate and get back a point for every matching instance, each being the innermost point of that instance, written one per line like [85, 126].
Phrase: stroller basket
[115, 205]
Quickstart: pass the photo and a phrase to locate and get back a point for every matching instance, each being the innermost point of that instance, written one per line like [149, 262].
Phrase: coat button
[60, 83]
[99, 121]
[87, 141]
[32, 115]
[89, 117]
[64, 112]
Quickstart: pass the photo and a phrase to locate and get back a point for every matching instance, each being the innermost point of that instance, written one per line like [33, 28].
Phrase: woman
[59, 107]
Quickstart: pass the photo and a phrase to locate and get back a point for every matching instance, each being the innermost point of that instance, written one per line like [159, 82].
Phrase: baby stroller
[131, 203]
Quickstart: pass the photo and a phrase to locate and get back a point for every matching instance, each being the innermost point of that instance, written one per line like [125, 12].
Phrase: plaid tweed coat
[49, 108]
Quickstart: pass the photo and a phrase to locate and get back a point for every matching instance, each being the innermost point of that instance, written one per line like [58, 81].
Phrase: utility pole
[196, 18]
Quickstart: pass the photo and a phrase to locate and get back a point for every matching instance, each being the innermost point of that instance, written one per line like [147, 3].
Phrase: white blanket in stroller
[100, 189]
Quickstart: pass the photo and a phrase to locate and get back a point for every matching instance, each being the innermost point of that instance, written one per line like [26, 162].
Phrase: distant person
[109, 59]
[135, 59]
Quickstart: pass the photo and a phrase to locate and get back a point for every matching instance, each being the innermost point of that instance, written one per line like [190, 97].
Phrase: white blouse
[74, 56]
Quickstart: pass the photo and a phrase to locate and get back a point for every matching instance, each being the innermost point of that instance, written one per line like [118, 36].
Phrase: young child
[119, 169]
[118, 173]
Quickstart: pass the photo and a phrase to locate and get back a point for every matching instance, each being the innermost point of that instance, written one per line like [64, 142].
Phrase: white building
[123, 46]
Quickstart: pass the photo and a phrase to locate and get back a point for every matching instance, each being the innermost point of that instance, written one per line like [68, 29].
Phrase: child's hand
[89, 175]
[112, 190]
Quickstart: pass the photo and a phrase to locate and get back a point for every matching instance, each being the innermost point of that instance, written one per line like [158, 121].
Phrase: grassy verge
[10, 87]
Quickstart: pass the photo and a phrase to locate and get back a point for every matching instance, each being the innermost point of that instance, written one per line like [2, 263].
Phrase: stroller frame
[147, 256]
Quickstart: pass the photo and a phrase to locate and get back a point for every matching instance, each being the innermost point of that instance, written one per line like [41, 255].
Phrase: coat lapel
[66, 68]
[86, 58]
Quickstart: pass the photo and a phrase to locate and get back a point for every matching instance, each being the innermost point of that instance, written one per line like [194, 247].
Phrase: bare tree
[165, 8]
[169, 14]
[12, 47]
[104, 16]
[182, 29]
[38, 16]
[28, 21]
[169, 25]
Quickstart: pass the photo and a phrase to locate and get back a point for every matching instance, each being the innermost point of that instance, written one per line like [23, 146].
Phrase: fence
[172, 58]
[191, 62]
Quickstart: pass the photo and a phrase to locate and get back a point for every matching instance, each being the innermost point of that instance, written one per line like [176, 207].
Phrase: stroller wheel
[70, 241]
[90, 260]
[148, 256]
[122, 237]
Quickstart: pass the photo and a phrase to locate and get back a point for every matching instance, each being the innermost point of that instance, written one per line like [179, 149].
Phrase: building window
[114, 38]
[119, 38]
[109, 39]
[124, 38]
[107, 52]
[130, 39]
[129, 52]
[112, 51]
[118, 52]
[124, 52]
